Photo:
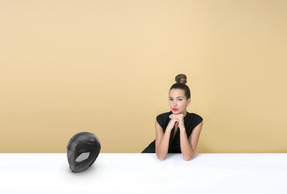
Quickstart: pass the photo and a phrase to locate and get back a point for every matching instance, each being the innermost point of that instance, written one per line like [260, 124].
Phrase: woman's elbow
[187, 158]
[160, 157]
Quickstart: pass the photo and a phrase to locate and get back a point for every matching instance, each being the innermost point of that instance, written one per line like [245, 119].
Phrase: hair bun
[180, 78]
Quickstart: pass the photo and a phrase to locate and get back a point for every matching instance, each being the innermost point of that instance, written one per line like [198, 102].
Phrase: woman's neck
[184, 113]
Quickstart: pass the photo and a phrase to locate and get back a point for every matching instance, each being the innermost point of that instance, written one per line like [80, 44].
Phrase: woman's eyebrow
[177, 97]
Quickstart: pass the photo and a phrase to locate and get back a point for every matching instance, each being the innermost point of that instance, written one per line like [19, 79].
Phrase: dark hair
[181, 84]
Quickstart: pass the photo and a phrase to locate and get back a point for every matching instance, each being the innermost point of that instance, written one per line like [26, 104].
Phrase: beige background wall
[106, 67]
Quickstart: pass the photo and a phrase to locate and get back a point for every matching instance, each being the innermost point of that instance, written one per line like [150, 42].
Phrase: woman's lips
[175, 109]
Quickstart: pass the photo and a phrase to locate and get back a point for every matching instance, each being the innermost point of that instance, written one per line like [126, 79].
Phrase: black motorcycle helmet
[82, 151]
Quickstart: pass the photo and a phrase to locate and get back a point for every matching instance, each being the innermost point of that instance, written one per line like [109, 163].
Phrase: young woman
[177, 131]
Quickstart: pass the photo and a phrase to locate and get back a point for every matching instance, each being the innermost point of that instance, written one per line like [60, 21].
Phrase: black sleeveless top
[191, 120]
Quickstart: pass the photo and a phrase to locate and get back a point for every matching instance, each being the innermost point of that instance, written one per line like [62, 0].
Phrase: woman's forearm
[162, 148]
[186, 149]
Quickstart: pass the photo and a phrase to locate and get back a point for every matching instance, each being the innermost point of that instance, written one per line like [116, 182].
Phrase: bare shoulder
[157, 126]
[194, 137]
[198, 127]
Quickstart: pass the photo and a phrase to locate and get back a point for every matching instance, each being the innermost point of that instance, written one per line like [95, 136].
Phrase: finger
[176, 119]
[173, 117]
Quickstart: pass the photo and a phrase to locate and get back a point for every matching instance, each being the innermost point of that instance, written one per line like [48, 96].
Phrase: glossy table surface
[144, 173]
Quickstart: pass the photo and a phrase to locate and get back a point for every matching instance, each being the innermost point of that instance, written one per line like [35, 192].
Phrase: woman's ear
[188, 101]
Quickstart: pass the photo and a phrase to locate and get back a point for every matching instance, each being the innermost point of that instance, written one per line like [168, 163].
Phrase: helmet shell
[83, 144]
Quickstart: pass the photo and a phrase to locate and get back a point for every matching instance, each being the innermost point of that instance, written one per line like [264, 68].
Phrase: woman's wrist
[168, 129]
[182, 128]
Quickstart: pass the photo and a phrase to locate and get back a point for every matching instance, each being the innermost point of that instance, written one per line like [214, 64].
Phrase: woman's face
[178, 101]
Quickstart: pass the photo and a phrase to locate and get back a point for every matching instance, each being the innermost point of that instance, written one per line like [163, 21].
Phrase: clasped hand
[176, 120]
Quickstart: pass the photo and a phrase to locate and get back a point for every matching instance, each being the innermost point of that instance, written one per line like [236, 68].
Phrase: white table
[144, 173]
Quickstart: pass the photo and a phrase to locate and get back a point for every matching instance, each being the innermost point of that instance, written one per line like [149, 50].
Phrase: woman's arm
[188, 145]
[162, 139]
